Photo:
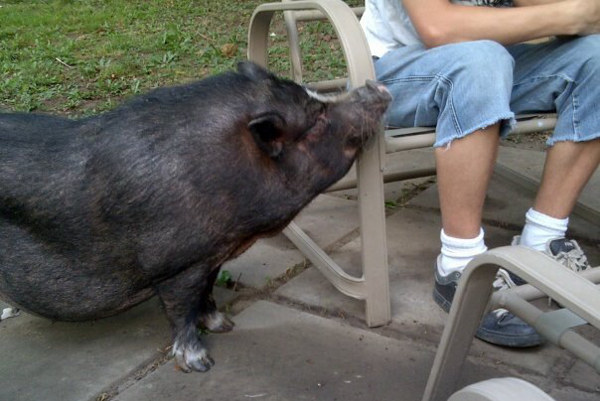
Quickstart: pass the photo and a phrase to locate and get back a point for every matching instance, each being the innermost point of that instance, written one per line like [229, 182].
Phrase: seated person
[462, 66]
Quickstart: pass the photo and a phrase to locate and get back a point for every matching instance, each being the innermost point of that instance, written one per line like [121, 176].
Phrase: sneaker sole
[441, 301]
[533, 340]
[493, 338]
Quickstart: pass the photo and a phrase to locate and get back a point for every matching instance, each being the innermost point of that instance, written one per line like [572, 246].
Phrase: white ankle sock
[457, 252]
[540, 228]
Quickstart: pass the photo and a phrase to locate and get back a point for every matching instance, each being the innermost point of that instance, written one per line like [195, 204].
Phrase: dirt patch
[532, 141]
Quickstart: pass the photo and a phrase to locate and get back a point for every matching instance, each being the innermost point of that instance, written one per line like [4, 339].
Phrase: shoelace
[574, 259]
[502, 282]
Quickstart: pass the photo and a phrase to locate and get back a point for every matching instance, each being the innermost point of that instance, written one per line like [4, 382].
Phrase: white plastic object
[9, 312]
[501, 389]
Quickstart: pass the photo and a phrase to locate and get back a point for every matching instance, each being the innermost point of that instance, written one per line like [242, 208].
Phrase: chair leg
[373, 234]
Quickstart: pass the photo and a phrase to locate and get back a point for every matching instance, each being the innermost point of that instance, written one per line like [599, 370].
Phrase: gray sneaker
[565, 251]
[499, 326]
[568, 253]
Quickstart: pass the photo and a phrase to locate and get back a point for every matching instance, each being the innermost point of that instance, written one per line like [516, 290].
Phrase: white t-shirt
[387, 26]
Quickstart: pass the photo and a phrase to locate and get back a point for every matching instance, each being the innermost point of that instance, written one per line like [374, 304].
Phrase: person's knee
[586, 47]
[577, 103]
[480, 72]
[587, 55]
[483, 59]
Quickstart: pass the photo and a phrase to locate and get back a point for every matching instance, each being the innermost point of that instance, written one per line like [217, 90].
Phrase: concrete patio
[296, 337]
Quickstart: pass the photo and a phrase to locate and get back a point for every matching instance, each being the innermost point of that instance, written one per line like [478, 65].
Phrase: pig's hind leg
[209, 317]
[187, 300]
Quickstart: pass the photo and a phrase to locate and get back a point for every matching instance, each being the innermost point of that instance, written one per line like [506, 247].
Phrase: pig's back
[33, 145]
[41, 167]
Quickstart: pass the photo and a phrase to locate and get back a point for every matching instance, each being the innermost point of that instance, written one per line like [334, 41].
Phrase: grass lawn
[80, 57]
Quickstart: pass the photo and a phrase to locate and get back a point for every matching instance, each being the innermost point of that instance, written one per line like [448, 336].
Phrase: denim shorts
[463, 87]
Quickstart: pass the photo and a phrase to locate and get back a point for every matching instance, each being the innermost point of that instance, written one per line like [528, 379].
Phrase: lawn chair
[577, 294]
[373, 285]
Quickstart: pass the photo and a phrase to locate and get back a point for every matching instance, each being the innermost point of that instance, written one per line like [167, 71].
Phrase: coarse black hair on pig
[151, 198]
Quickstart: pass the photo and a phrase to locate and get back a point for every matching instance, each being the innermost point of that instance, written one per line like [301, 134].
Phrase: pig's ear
[267, 131]
[253, 71]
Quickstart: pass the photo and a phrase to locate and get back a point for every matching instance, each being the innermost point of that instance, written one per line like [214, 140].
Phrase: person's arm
[440, 22]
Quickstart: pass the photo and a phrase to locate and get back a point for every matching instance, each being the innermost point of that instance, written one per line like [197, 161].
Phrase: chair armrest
[339, 14]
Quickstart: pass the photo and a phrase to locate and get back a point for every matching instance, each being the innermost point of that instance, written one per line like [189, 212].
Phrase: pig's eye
[320, 108]
[320, 125]
[354, 142]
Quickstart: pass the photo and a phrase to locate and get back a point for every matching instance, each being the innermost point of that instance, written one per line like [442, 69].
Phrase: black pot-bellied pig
[99, 214]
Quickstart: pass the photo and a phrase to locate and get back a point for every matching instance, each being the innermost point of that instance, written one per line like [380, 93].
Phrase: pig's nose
[372, 92]
[376, 90]
[377, 86]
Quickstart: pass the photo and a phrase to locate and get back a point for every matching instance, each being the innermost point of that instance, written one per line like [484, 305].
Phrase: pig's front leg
[187, 301]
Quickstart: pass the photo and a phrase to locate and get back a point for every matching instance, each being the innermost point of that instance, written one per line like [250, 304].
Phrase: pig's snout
[363, 112]
[372, 93]
[370, 100]
[379, 88]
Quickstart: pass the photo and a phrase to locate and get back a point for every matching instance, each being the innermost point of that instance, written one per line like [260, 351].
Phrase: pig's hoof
[192, 356]
[216, 322]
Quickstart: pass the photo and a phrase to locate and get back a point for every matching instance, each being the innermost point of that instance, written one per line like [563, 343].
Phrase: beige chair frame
[577, 293]
[373, 285]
